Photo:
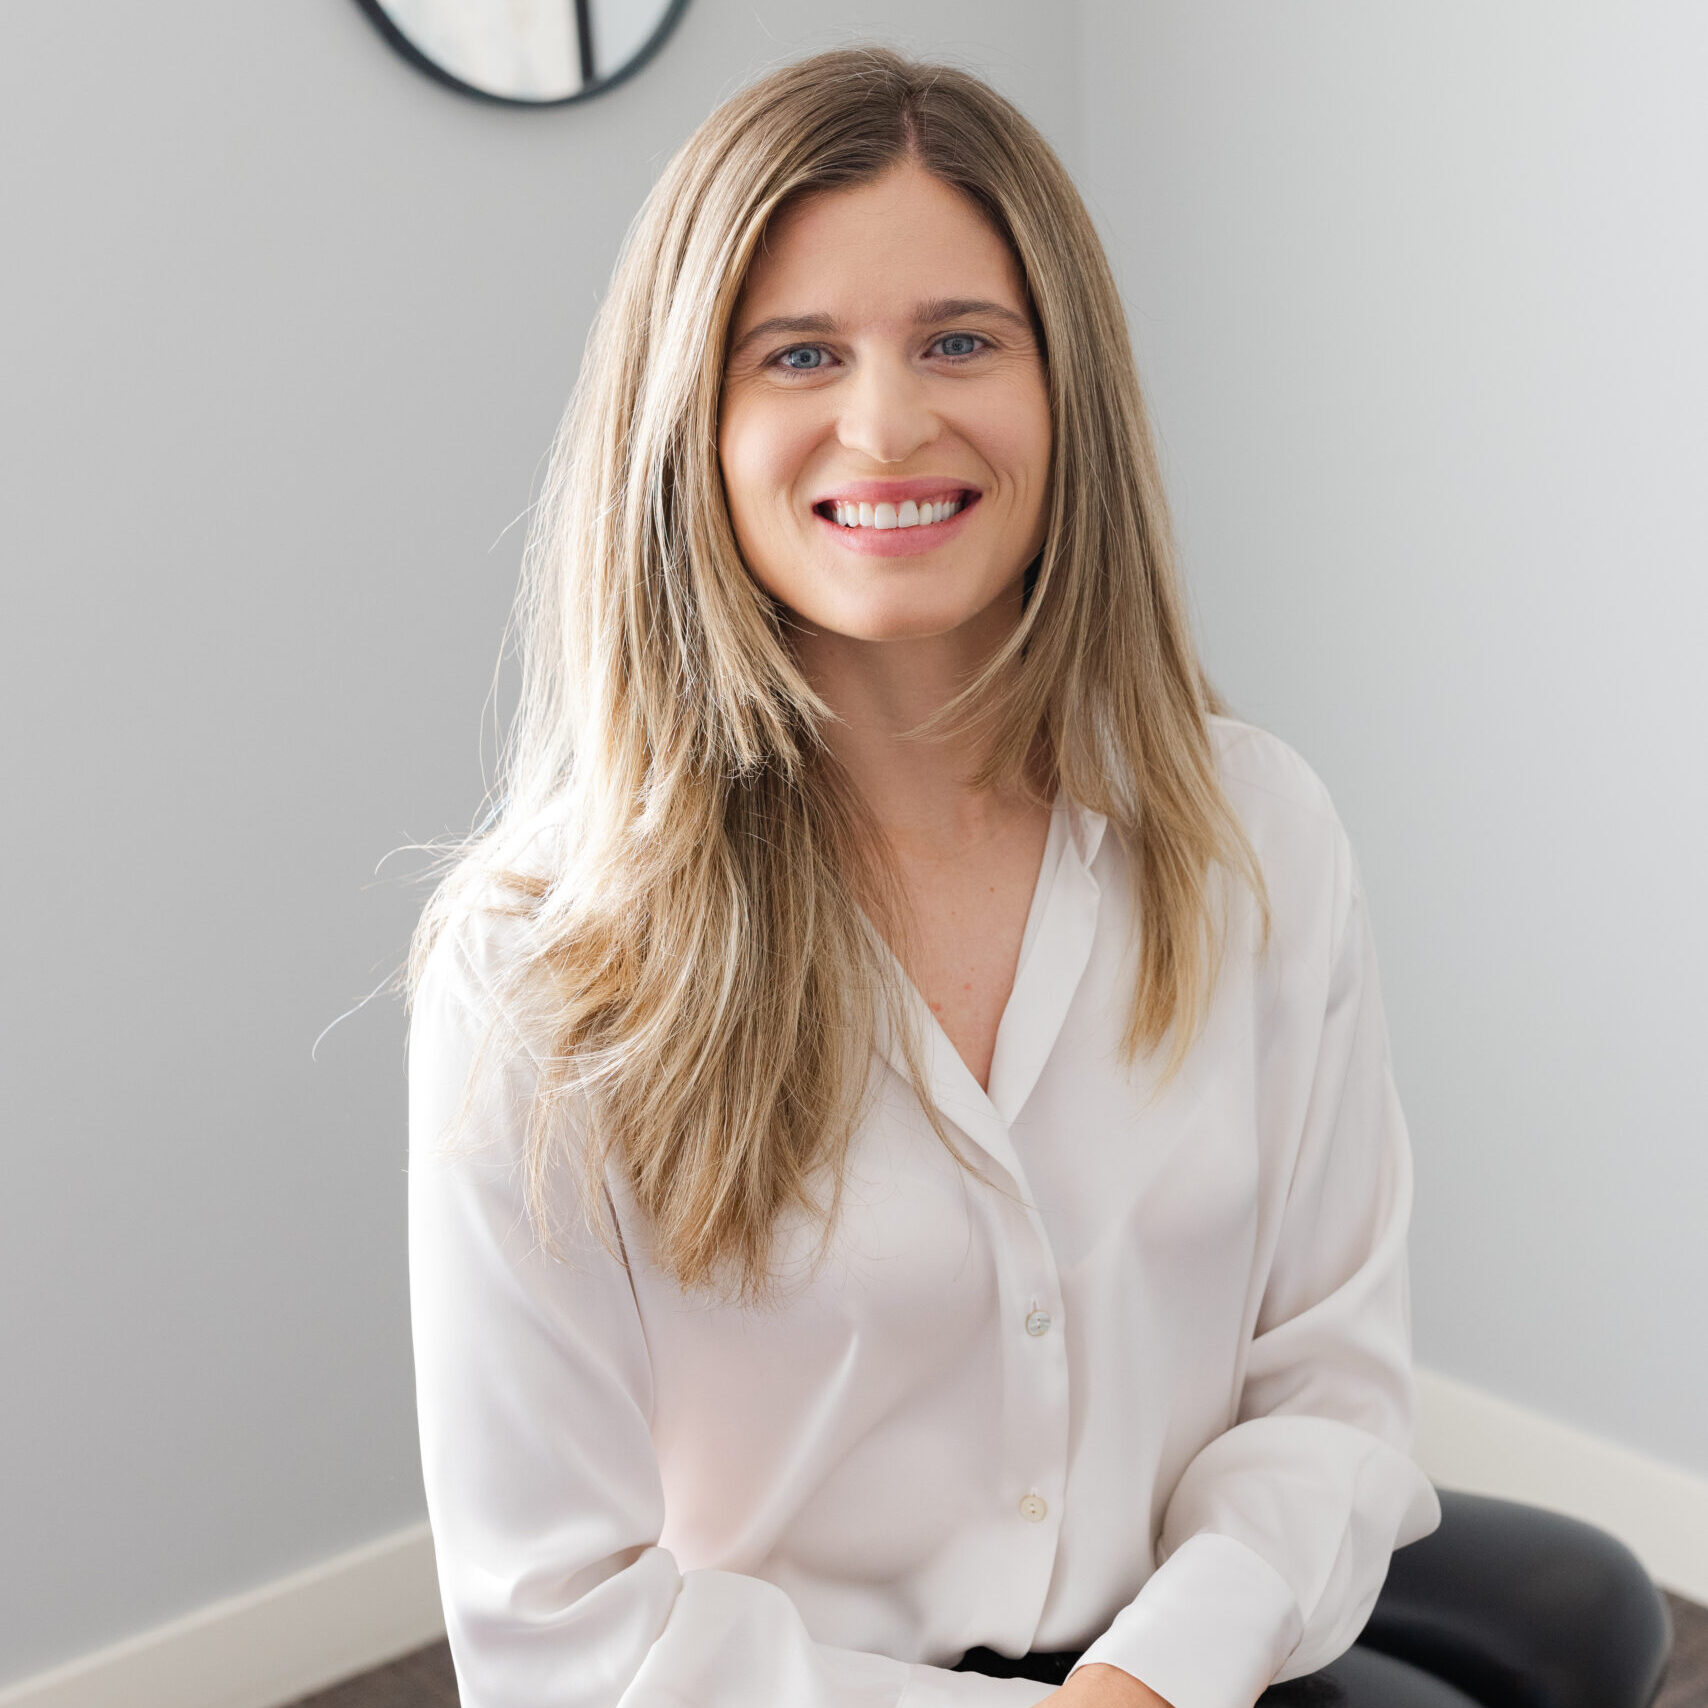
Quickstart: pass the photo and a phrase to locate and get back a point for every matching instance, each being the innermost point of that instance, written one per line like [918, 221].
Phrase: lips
[907, 514]
[888, 527]
[919, 489]
[886, 504]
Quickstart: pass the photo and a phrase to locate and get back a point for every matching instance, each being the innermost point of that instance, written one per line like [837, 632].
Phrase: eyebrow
[924, 314]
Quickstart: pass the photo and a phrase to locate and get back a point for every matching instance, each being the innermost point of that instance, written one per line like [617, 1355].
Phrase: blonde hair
[702, 952]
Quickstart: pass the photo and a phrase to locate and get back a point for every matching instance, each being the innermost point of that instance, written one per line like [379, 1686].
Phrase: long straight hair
[706, 951]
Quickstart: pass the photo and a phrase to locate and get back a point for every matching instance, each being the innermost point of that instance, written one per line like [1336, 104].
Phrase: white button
[1033, 1509]
[1038, 1323]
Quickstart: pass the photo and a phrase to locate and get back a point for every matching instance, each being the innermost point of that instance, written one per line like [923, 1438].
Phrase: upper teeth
[907, 514]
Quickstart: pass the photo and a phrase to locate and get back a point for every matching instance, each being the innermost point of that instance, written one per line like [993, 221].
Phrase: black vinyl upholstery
[1362, 1678]
[1524, 1608]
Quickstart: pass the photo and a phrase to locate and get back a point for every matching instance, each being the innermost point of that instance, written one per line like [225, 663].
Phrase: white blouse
[1142, 1388]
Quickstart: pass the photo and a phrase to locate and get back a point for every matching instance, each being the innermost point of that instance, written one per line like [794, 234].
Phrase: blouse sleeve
[1276, 1540]
[543, 1491]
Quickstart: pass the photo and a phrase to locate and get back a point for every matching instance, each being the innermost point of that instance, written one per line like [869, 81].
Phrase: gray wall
[1418, 291]
[286, 329]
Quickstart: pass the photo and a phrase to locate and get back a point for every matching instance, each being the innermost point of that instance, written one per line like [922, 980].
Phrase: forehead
[871, 252]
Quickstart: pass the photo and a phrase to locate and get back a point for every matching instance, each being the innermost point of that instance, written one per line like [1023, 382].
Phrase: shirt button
[1033, 1508]
[1038, 1323]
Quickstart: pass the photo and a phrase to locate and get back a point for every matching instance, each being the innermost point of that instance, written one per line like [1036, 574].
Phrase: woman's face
[885, 425]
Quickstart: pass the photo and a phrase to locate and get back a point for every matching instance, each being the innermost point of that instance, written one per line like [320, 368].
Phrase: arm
[1104, 1687]
[1276, 1539]
[533, 1384]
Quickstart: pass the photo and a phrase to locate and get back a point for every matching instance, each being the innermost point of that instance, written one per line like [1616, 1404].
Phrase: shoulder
[1265, 776]
[1291, 820]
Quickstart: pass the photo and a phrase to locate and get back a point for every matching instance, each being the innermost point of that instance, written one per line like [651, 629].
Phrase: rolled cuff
[1213, 1625]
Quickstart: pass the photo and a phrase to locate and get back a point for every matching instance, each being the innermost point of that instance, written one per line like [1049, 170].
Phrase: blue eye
[812, 354]
[965, 343]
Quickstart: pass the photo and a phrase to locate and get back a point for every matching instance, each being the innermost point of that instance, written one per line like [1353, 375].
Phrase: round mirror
[533, 52]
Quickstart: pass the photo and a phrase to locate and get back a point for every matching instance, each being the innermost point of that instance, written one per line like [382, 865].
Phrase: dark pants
[1505, 1606]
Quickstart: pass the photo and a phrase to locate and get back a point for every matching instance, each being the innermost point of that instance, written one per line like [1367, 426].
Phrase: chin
[894, 620]
[897, 608]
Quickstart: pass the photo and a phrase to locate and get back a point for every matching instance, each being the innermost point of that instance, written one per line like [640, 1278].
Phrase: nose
[885, 413]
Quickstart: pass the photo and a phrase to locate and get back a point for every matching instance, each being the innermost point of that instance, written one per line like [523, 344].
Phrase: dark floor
[1687, 1680]
[425, 1680]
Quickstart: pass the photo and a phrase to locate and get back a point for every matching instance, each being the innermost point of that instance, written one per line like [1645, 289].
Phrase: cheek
[761, 450]
[1032, 438]
[1013, 432]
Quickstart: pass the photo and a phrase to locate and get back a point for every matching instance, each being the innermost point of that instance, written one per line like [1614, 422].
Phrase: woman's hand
[1098, 1686]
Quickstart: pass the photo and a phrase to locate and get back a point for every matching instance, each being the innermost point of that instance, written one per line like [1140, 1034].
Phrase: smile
[900, 527]
[907, 514]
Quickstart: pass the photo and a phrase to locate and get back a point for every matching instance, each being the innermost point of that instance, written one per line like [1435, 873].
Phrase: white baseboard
[1468, 1439]
[364, 1608]
[268, 1646]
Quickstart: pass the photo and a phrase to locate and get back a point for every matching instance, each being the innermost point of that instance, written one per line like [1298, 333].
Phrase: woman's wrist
[1101, 1686]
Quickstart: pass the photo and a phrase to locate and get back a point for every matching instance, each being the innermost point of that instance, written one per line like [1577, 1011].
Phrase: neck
[920, 792]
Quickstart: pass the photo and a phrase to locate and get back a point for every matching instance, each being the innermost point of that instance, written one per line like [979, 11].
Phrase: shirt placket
[1028, 1506]
[1035, 1413]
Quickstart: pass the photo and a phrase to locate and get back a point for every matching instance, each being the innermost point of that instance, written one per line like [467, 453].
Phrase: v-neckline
[935, 1030]
[1055, 948]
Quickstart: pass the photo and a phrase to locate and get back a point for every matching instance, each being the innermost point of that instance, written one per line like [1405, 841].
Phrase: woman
[906, 1175]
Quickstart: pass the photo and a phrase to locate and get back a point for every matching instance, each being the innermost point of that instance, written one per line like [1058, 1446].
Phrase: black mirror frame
[584, 44]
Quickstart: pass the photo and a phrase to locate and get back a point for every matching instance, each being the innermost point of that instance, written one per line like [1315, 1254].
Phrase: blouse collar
[1061, 933]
